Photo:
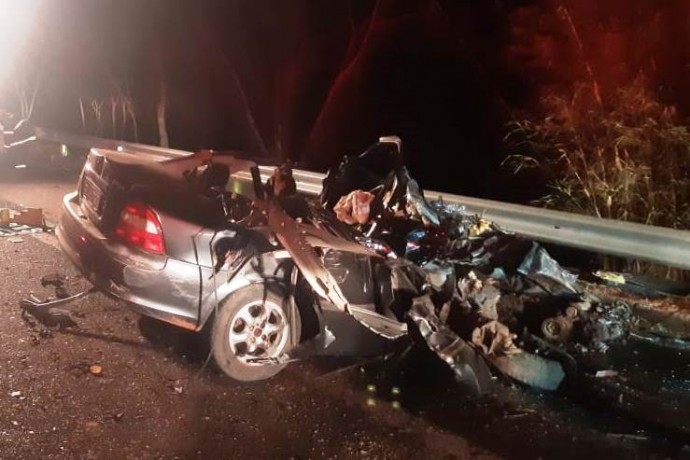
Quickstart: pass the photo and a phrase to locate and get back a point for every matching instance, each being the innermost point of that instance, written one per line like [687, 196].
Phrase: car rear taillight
[139, 227]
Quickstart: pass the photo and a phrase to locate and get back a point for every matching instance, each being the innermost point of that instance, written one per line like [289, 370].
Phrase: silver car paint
[159, 286]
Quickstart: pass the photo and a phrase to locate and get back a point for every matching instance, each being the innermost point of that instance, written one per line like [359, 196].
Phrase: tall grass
[627, 158]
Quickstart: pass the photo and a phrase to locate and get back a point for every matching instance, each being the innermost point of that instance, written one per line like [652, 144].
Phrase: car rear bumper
[156, 286]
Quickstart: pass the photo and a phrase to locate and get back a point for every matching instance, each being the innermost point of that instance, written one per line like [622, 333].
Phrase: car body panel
[159, 286]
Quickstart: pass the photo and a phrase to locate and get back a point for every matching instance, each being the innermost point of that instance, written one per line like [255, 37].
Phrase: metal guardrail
[88, 142]
[645, 242]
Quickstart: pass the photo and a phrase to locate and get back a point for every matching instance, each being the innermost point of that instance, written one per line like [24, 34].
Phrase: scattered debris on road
[96, 370]
[32, 217]
[58, 282]
[602, 374]
[23, 221]
[50, 317]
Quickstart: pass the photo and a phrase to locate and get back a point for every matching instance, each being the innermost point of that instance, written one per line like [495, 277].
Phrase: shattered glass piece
[468, 366]
[606, 373]
[541, 268]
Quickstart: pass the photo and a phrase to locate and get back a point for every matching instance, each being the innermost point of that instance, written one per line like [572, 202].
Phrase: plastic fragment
[541, 268]
[605, 373]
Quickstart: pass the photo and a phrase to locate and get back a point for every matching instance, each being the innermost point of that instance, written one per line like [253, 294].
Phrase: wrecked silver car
[275, 276]
[168, 238]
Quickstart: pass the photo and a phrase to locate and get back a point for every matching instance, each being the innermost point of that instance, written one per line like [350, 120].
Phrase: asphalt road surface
[156, 399]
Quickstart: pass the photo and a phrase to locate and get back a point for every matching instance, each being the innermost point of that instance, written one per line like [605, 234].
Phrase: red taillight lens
[139, 227]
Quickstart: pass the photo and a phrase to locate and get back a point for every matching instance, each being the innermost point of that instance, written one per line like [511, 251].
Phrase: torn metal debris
[470, 369]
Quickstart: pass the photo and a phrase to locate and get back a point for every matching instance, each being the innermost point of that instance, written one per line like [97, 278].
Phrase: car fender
[267, 268]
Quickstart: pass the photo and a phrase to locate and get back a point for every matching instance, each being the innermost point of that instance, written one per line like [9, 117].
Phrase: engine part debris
[610, 323]
[557, 329]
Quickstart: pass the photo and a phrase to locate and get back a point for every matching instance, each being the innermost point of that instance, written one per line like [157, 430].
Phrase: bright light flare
[16, 20]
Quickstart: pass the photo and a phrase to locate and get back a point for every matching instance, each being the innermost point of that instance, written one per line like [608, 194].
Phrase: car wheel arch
[301, 296]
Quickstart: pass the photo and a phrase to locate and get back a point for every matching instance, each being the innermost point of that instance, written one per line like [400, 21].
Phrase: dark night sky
[326, 78]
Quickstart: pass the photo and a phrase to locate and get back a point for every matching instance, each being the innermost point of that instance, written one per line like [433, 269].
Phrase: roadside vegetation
[626, 157]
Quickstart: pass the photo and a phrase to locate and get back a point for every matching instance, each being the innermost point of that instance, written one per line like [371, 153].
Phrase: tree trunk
[160, 115]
